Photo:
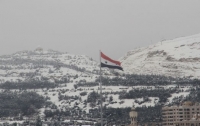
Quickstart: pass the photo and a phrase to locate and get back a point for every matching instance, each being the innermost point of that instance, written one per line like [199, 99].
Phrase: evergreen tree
[38, 121]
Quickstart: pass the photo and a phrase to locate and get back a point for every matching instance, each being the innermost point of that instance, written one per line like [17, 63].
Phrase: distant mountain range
[177, 58]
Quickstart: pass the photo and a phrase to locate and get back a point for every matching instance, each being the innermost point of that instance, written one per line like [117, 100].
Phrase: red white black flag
[110, 63]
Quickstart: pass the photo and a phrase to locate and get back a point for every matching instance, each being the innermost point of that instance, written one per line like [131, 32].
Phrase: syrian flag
[110, 63]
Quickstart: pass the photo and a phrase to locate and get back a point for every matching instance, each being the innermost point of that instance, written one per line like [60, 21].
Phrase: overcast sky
[87, 26]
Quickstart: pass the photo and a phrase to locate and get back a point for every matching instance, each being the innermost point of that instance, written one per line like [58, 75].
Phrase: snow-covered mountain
[49, 65]
[178, 58]
[75, 76]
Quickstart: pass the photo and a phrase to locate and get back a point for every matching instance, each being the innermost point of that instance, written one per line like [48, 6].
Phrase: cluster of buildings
[185, 114]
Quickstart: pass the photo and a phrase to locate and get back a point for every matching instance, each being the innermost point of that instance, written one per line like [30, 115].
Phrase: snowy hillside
[178, 58]
[47, 65]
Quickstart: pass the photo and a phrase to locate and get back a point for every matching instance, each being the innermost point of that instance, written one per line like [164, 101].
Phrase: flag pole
[101, 91]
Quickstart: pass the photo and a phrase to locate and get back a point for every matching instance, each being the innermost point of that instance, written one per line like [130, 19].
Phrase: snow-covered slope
[49, 65]
[178, 58]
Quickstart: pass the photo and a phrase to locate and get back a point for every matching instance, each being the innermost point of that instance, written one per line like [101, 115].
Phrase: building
[195, 121]
[178, 115]
[133, 115]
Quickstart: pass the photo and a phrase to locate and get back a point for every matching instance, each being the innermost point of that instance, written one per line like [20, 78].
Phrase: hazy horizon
[87, 26]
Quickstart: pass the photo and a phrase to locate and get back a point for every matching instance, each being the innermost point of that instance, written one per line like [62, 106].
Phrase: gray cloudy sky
[86, 26]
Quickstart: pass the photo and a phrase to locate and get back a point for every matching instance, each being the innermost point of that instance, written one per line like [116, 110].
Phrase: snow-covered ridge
[178, 57]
